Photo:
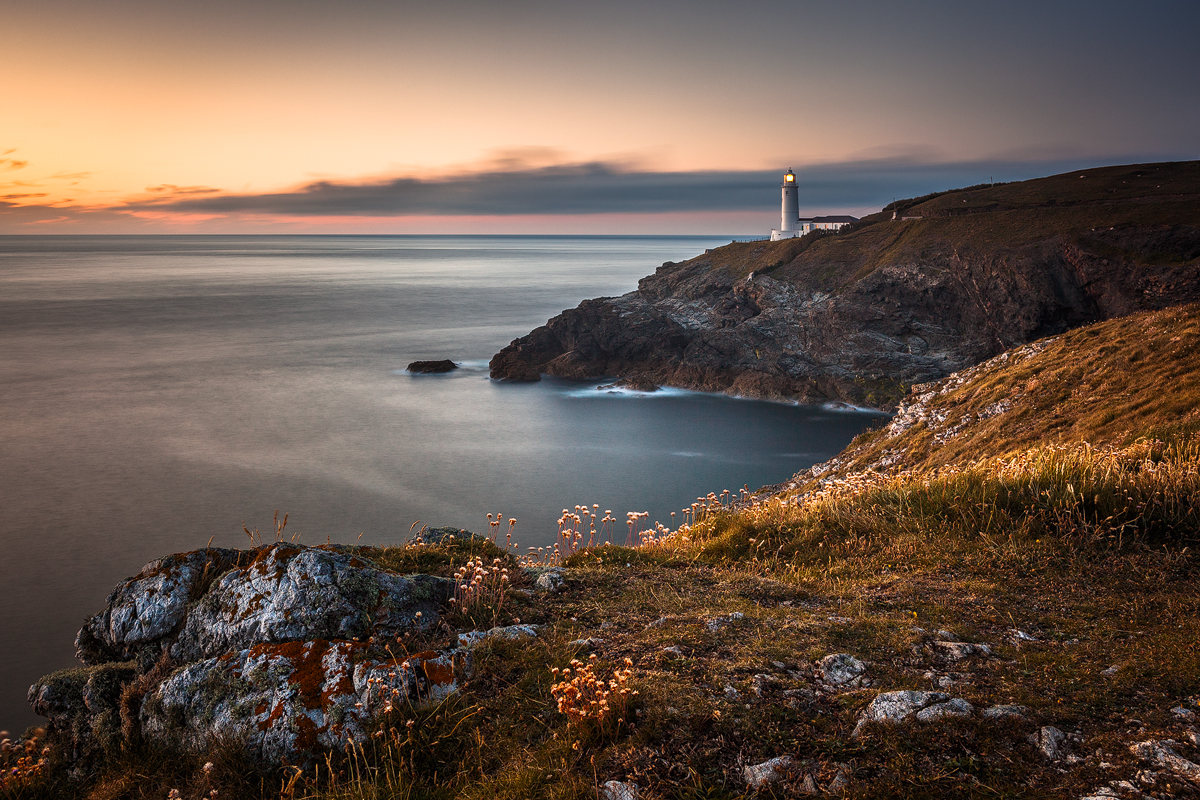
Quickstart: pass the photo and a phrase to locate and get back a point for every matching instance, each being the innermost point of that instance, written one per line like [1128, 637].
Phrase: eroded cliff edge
[862, 315]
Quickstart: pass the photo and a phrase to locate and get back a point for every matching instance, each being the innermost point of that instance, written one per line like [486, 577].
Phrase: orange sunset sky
[571, 117]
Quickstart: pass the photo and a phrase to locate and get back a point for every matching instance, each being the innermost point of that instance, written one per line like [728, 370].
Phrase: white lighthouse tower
[790, 202]
[789, 216]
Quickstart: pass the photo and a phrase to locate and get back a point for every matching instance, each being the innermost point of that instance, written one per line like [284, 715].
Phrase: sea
[158, 393]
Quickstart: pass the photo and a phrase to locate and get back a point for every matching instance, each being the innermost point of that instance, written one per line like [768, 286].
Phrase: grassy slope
[1003, 218]
[1104, 384]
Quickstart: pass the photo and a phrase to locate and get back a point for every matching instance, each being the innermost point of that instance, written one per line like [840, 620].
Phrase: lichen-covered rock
[294, 593]
[618, 790]
[147, 608]
[759, 776]
[512, 632]
[954, 707]
[842, 669]
[548, 579]
[896, 707]
[1161, 755]
[287, 700]
[1005, 712]
[956, 651]
[717, 623]
[447, 534]
[263, 646]
[1049, 741]
[84, 704]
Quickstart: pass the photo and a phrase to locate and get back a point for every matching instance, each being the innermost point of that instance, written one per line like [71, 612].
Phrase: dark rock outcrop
[430, 367]
[862, 315]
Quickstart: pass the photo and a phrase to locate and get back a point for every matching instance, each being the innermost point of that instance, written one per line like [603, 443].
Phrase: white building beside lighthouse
[791, 224]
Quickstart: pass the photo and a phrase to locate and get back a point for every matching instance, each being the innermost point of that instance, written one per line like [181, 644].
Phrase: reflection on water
[159, 391]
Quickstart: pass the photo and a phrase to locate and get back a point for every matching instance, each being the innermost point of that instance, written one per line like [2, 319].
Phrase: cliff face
[860, 316]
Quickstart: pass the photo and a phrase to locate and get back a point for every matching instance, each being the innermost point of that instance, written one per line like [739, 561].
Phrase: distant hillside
[863, 314]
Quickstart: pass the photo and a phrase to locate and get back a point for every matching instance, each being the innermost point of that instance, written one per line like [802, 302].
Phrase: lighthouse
[790, 202]
[790, 223]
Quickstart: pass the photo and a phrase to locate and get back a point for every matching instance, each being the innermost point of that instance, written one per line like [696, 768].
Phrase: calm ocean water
[159, 391]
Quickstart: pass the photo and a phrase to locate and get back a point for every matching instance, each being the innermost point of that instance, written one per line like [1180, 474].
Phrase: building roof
[835, 219]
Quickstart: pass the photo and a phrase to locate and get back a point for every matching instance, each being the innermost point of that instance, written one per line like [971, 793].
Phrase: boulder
[618, 790]
[150, 607]
[842, 669]
[84, 704]
[895, 707]
[1161, 755]
[551, 579]
[1005, 712]
[280, 647]
[447, 534]
[1049, 741]
[759, 776]
[291, 593]
[511, 632]
[287, 700]
[956, 651]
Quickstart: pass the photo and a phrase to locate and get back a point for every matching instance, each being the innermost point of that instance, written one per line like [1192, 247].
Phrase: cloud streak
[601, 187]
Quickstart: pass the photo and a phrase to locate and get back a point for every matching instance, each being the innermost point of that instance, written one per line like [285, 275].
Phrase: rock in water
[428, 367]
[638, 383]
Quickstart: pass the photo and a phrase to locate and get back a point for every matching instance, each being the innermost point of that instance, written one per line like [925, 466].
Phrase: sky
[457, 116]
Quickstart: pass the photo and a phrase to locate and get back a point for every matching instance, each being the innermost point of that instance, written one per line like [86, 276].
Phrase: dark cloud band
[601, 187]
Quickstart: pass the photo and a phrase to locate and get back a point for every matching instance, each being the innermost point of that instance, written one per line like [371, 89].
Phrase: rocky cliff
[862, 315]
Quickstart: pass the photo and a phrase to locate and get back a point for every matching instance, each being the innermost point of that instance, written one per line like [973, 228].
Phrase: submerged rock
[638, 383]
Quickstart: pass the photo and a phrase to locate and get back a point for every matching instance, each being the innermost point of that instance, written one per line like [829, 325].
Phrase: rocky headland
[861, 315]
